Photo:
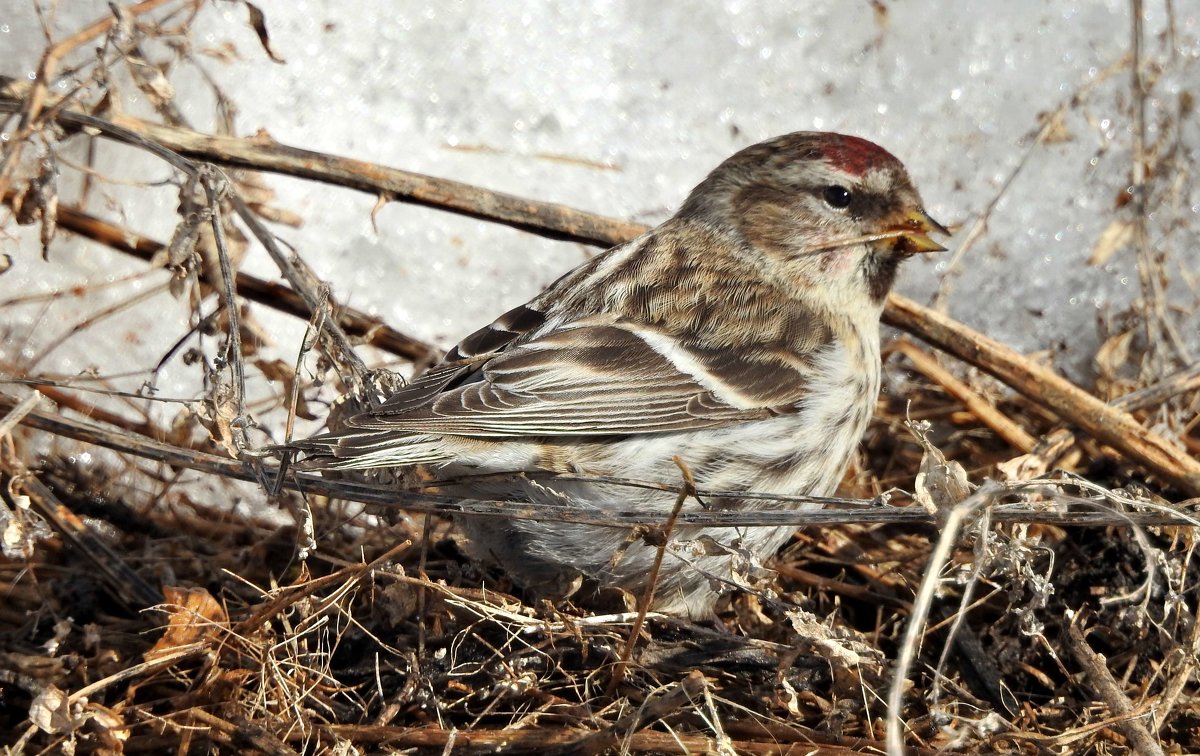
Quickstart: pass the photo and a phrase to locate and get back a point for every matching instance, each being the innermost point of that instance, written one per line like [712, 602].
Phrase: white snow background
[620, 108]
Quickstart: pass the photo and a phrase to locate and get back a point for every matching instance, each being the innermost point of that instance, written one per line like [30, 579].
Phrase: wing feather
[587, 380]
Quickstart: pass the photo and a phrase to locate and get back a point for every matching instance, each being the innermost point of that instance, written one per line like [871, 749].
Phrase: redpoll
[741, 336]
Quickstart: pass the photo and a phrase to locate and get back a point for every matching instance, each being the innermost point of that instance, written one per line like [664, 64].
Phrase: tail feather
[365, 450]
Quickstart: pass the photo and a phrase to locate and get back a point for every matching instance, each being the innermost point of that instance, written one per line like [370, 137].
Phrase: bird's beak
[914, 228]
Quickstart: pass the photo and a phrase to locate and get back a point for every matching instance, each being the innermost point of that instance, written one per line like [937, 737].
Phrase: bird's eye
[837, 197]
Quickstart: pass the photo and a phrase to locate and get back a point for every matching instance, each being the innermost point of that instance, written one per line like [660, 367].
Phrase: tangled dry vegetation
[157, 598]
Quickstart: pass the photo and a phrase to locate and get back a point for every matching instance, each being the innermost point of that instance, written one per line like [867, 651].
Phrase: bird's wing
[598, 378]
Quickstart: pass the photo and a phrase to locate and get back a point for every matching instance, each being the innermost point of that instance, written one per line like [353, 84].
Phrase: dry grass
[158, 599]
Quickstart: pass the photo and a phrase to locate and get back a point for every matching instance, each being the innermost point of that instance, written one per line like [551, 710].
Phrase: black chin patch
[879, 271]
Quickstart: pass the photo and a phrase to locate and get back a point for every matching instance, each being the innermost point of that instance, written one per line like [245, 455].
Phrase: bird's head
[829, 215]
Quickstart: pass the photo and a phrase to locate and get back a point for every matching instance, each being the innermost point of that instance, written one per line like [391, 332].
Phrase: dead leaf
[1054, 128]
[183, 242]
[225, 414]
[193, 616]
[941, 484]
[39, 202]
[51, 712]
[259, 23]
[1116, 236]
[1113, 354]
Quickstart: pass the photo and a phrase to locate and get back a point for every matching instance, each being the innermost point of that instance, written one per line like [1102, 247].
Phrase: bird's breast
[802, 451]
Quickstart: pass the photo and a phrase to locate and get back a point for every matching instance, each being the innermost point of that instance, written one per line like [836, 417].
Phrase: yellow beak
[915, 227]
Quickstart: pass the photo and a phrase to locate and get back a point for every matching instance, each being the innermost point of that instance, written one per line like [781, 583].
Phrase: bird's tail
[366, 450]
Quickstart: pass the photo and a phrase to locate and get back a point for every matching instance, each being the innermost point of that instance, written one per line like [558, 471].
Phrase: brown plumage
[740, 335]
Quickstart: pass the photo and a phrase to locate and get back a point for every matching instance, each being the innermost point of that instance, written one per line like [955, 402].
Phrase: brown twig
[1072, 404]
[535, 740]
[1013, 434]
[288, 595]
[658, 707]
[663, 535]
[262, 153]
[839, 587]
[1185, 381]
[1058, 443]
[1095, 668]
[240, 735]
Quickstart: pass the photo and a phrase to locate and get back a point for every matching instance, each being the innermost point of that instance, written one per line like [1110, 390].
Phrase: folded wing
[581, 381]
[589, 379]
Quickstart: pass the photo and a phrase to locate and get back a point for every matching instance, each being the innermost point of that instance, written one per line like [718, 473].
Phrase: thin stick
[287, 595]
[1155, 320]
[1013, 434]
[802, 741]
[264, 154]
[1056, 444]
[13, 417]
[1182, 382]
[310, 337]
[214, 186]
[688, 489]
[1072, 404]
[304, 282]
[946, 542]
[1095, 668]
[615, 737]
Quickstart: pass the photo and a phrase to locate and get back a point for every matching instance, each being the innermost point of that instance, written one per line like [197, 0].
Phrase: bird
[738, 339]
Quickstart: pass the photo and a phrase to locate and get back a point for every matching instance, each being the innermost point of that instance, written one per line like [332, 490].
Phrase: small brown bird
[741, 335]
